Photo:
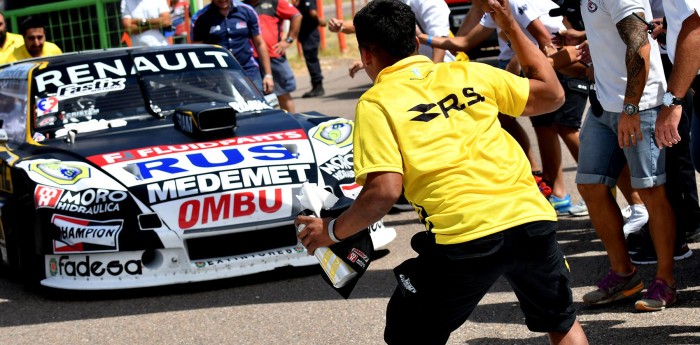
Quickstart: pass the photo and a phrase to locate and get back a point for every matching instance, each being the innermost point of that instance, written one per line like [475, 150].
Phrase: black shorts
[439, 289]
[571, 113]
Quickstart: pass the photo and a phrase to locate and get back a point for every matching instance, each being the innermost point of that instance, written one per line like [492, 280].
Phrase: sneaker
[657, 297]
[645, 254]
[614, 287]
[562, 205]
[580, 209]
[638, 217]
[545, 189]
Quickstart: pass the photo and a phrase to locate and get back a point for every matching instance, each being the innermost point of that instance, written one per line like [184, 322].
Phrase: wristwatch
[289, 40]
[630, 109]
[143, 22]
[669, 99]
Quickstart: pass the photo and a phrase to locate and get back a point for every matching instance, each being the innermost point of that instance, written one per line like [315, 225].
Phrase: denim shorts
[601, 159]
[284, 77]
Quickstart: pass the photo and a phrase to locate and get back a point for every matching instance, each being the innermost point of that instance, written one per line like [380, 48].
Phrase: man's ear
[366, 56]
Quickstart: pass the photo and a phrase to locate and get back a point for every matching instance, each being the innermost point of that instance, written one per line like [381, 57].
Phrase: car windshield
[107, 93]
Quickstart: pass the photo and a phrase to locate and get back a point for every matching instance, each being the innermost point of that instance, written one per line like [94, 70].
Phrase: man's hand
[268, 85]
[281, 47]
[628, 130]
[666, 131]
[499, 10]
[569, 37]
[335, 25]
[313, 232]
[355, 67]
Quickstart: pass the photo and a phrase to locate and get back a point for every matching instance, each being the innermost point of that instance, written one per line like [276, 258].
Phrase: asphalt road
[294, 306]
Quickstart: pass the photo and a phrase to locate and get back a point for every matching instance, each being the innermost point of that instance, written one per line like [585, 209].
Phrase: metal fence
[76, 24]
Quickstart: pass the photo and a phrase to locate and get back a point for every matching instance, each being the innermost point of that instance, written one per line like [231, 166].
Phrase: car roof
[80, 56]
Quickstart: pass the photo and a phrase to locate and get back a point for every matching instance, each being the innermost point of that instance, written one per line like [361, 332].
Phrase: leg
[448, 287]
[511, 125]
[310, 48]
[550, 153]
[662, 225]
[570, 137]
[286, 102]
[574, 336]
[607, 221]
[540, 278]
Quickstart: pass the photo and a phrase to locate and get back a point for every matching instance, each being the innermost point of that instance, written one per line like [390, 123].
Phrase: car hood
[207, 184]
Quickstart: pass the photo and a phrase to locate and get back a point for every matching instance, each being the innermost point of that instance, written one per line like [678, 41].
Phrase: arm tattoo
[634, 34]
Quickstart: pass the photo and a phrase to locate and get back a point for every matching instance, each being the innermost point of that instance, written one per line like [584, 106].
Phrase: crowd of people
[478, 188]
[436, 134]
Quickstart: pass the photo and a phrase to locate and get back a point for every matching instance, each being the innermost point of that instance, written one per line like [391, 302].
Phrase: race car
[140, 167]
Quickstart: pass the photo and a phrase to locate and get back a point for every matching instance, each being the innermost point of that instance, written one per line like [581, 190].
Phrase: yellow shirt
[437, 124]
[12, 41]
[21, 53]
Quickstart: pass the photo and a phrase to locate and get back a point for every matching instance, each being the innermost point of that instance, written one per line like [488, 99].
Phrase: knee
[592, 191]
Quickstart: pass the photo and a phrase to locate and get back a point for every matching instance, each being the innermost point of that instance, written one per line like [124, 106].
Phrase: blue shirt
[233, 32]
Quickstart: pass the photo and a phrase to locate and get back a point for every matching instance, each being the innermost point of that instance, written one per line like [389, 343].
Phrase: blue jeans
[601, 159]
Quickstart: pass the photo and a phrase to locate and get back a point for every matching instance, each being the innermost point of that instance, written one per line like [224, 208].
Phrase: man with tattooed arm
[630, 84]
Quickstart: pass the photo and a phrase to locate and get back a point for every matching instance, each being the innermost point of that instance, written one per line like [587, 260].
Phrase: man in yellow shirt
[432, 130]
[35, 44]
[8, 41]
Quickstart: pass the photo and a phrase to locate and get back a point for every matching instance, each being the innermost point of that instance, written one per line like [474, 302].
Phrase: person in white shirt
[630, 83]
[682, 38]
[433, 18]
[144, 19]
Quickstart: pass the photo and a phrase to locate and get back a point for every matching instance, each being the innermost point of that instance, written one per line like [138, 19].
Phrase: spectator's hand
[355, 67]
[322, 22]
[335, 25]
[628, 130]
[585, 53]
[268, 85]
[281, 47]
[569, 37]
[658, 28]
[499, 11]
[666, 131]
[573, 53]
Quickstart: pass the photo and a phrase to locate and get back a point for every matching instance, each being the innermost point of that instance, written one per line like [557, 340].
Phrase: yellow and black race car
[141, 167]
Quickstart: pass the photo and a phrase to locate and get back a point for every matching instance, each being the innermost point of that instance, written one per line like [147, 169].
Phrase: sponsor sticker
[77, 235]
[87, 266]
[351, 190]
[60, 172]
[47, 105]
[338, 133]
[164, 150]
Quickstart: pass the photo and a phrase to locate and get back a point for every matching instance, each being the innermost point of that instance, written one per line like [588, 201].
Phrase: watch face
[630, 109]
[667, 100]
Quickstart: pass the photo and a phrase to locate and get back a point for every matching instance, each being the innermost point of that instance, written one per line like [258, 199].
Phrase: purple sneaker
[614, 287]
[657, 297]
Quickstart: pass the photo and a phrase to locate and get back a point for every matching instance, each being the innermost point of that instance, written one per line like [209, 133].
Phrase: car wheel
[23, 258]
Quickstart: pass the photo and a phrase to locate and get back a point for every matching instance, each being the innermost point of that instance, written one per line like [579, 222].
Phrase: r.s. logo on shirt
[446, 104]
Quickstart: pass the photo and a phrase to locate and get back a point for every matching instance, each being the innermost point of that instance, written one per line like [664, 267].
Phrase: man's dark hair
[388, 26]
[32, 22]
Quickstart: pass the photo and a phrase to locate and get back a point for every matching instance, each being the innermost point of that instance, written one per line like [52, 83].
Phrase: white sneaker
[638, 217]
[580, 209]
